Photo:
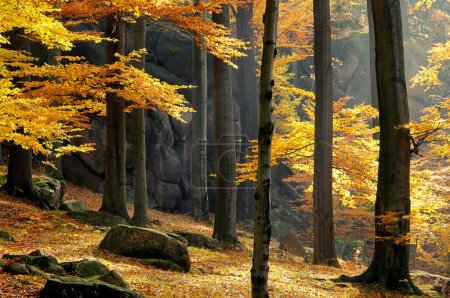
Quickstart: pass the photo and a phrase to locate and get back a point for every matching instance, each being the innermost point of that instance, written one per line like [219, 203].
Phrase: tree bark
[199, 196]
[324, 248]
[225, 211]
[260, 265]
[390, 264]
[114, 195]
[247, 98]
[373, 73]
[140, 216]
[19, 176]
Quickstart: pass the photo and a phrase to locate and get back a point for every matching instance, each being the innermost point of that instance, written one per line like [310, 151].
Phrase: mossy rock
[71, 286]
[97, 218]
[85, 268]
[163, 264]
[5, 236]
[199, 240]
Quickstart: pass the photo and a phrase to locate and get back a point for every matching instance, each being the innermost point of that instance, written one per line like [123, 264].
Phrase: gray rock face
[167, 195]
[72, 205]
[71, 287]
[146, 244]
[165, 164]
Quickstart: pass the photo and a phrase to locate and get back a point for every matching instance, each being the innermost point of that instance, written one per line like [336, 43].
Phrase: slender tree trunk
[57, 172]
[390, 264]
[324, 249]
[19, 176]
[140, 217]
[225, 213]
[247, 98]
[373, 73]
[260, 265]
[199, 196]
[114, 196]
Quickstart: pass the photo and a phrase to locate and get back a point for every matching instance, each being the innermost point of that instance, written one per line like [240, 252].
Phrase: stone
[5, 236]
[162, 264]
[97, 218]
[167, 195]
[165, 164]
[48, 264]
[16, 268]
[85, 268]
[292, 244]
[37, 272]
[72, 205]
[114, 278]
[159, 129]
[49, 192]
[70, 287]
[200, 241]
[178, 237]
[146, 244]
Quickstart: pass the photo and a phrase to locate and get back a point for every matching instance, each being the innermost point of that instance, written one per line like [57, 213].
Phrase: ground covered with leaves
[224, 273]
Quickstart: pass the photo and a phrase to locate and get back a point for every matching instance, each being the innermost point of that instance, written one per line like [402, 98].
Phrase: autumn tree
[324, 248]
[140, 216]
[390, 264]
[262, 227]
[225, 200]
[199, 196]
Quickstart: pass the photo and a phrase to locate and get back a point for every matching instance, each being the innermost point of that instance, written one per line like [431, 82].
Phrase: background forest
[145, 114]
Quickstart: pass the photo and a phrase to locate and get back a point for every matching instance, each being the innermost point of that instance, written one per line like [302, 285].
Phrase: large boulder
[199, 240]
[292, 244]
[146, 244]
[71, 286]
[97, 218]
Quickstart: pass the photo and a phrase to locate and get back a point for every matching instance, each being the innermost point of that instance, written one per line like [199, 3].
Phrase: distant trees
[324, 247]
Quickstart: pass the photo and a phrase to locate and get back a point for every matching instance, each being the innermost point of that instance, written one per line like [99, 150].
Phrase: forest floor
[223, 273]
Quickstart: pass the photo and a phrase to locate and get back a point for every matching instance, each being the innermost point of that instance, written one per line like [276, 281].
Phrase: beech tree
[225, 201]
[324, 248]
[390, 264]
[199, 196]
[263, 231]
[140, 216]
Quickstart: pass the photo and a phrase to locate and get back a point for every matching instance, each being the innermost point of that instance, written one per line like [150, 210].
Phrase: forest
[224, 148]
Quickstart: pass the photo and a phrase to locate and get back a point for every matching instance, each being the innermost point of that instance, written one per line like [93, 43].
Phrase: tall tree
[19, 176]
[373, 75]
[390, 264]
[199, 196]
[114, 195]
[324, 249]
[225, 209]
[260, 265]
[246, 97]
[140, 216]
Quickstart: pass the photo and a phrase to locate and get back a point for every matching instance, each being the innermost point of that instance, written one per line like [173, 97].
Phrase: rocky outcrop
[146, 244]
[49, 191]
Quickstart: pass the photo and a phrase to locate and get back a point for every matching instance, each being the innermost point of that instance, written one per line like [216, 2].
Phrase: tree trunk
[199, 197]
[225, 211]
[390, 264]
[140, 217]
[114, 196]
[324, 249]
[247, 98]
[19, 176]
[260, 265]
[373, 73]
[57, 172]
